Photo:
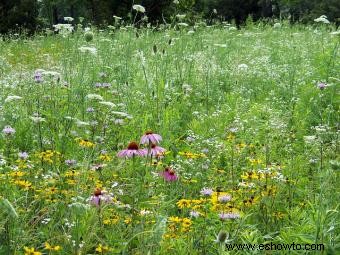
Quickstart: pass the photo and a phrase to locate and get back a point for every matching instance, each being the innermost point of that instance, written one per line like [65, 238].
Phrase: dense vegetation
[249, 151]
[33, 14]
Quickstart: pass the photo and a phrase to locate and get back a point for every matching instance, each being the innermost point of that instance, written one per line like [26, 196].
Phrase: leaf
[8, 208]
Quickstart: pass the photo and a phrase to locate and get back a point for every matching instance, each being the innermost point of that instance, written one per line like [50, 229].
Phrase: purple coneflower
[169, 174]
[99, 197]
[131, 151]
[206, 192]
[8, 130]
[150, 138]
[155, 150]
[225, 216]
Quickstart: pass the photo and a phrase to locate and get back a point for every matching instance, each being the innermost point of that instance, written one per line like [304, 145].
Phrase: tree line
[37, 14]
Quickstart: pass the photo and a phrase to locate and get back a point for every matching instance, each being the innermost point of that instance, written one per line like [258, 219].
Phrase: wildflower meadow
[170, 139]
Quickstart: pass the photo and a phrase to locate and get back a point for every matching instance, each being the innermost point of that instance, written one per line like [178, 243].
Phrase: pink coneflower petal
[156, 150]
[150, 137]
[169, 175]
[144, 139]
[132, 150]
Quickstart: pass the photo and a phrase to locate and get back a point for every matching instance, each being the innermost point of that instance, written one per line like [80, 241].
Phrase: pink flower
[131, 151]
[99, 197]
[169, 175]
[322, 85]
[155, 151]
[150, 137]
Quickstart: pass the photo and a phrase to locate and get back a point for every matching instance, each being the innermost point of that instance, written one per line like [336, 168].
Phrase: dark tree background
[35, 14]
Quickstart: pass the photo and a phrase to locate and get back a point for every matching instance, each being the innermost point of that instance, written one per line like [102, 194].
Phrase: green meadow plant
[176, 139]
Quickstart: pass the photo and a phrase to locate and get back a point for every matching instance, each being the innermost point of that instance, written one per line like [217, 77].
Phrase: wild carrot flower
[138, 8]
[169, 174]
[8, 130]
[131, 151]
[150, 138]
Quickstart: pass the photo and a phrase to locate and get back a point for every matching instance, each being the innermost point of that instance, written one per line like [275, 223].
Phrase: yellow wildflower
[102, 249]
[52, 248]
[31, 251]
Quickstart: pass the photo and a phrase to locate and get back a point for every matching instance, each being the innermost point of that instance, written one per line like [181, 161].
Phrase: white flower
[80, 123]
[122, 114]
[138, 8]
[144, 212]
[2, 162]
[94, 97]
[176, 2]
[335, 32]
[12, 98]
[182, 24]
[110, 104]
[70, 19]
[116, 17]
[63, 29]
[220, 45]
[91, 50]
[37, 119]
[51, 73]
[309, 138]
[323, 19]
[277, 25]
[180, 16]
[242, 67]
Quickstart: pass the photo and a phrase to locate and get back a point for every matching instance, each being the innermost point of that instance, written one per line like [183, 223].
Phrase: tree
[17, 14]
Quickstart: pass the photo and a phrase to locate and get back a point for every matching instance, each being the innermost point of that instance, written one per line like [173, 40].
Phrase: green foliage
[31, 14]
[239, 111]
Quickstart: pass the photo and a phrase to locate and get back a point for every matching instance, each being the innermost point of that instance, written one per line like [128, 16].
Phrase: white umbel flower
[109, 104]
[85, 49]
[95, 97]
[138, 8]
[322, 19]
[69, 19]
[12, 98]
